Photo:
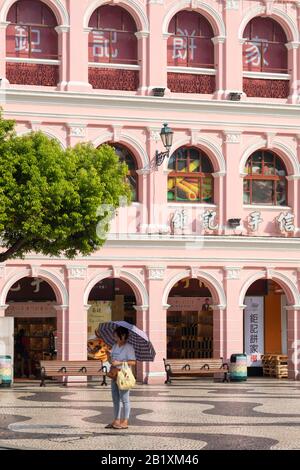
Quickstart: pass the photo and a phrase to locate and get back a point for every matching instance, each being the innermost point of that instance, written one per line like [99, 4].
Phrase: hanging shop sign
[254, 330]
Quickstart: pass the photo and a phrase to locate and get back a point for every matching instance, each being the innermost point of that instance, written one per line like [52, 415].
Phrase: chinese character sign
[254, 330]
[285, 222]
[31, 32]
[264, 48]
[190, 41]
[113, 37]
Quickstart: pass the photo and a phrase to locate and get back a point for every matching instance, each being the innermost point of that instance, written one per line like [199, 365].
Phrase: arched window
[126, 156]
[190, 46]
[265, 182]
[111, 42]
[191, 178]
[264, 51]
[31, 35]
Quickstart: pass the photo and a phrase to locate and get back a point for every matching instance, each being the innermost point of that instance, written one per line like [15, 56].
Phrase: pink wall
[227, 131]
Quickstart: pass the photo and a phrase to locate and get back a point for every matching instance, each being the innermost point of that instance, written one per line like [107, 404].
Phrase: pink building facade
[224, 209]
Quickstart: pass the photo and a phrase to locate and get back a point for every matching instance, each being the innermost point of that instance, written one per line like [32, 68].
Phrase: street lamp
[166, 135]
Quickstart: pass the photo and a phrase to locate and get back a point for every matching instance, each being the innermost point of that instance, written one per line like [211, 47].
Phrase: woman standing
[121, 352]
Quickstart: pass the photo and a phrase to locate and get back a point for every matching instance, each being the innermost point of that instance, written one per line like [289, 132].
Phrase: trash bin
[6, 371]
[238, 367]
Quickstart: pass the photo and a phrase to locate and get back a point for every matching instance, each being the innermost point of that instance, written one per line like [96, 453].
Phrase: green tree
[50, 197]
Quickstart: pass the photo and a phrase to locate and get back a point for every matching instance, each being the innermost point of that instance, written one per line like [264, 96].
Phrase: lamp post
[166, 135]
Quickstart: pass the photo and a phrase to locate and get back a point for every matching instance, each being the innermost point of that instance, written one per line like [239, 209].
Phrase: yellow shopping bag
[125, 379]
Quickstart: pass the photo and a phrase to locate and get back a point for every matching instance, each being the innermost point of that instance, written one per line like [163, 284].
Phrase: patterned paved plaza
[189, 415]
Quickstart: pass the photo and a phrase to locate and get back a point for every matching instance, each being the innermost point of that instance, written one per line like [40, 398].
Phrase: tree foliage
[50, 197]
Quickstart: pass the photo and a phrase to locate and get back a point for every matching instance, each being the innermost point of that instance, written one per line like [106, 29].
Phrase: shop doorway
[265, 323]
[190, 320]
[31, 304]
[111, 299]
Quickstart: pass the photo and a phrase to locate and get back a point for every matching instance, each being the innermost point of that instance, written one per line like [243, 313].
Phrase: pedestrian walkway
[187, 415]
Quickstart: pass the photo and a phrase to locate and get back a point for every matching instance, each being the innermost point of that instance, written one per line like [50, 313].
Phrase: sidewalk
[187, 415]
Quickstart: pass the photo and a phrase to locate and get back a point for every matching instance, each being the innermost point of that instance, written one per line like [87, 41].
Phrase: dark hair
[121, 331]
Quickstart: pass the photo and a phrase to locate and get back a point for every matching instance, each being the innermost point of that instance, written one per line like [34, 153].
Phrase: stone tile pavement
[187, 415]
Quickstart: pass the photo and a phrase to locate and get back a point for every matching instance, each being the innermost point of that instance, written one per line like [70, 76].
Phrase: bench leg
[104, 382]
[226, 379]
[168, 379]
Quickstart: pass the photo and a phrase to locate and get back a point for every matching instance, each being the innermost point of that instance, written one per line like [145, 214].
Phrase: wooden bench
[195, 368]
[72, 369]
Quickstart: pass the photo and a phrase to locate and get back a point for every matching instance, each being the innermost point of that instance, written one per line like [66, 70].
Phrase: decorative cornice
[218, 40]
[232, 4]
[62, 29]
[142, 34]
[142, 308]
[77, 130]
[292, 45]
[232, 272]
[232, 137]
[76, 272]
[155, 272]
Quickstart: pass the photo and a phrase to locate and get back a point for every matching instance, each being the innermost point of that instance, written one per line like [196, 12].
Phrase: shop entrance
[31, 303]
[190, 321]
[111, 299]
[265, 322]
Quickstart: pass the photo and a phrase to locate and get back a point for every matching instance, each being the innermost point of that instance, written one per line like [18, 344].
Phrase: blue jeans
[120, 397]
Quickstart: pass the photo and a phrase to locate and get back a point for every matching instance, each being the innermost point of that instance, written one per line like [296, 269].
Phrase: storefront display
[190, 328]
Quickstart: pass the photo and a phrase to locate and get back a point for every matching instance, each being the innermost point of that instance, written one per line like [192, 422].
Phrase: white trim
[286, 21]
[103, 65]
[47, 131]
[271, 274]
[266, 207]
[186, 205]
[209, 12]
[213, 283]
[52, 4]
[260, 143]
[132, 279]
[192, 70]
[135, 9]
[267, 76]
[55, 282]
[29, 60]
[214, 151]
[203, 107]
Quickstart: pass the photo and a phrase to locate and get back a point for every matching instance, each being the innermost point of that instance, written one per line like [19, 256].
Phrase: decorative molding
[134, 7]
[155, 272]
[218, 40]
[232, 272]
[213, 15]
[116, 270]
[270, 136]
[77, 130]
[232, 4]
[142, 34]
[60, 11]
[35, 268]
[2, 270]
[194, 136]
[153, 134]
[142, 308]
[194, 271]
[62, 29]
[117, 130]
[76, 272]
[232, 137]
[292, 45]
